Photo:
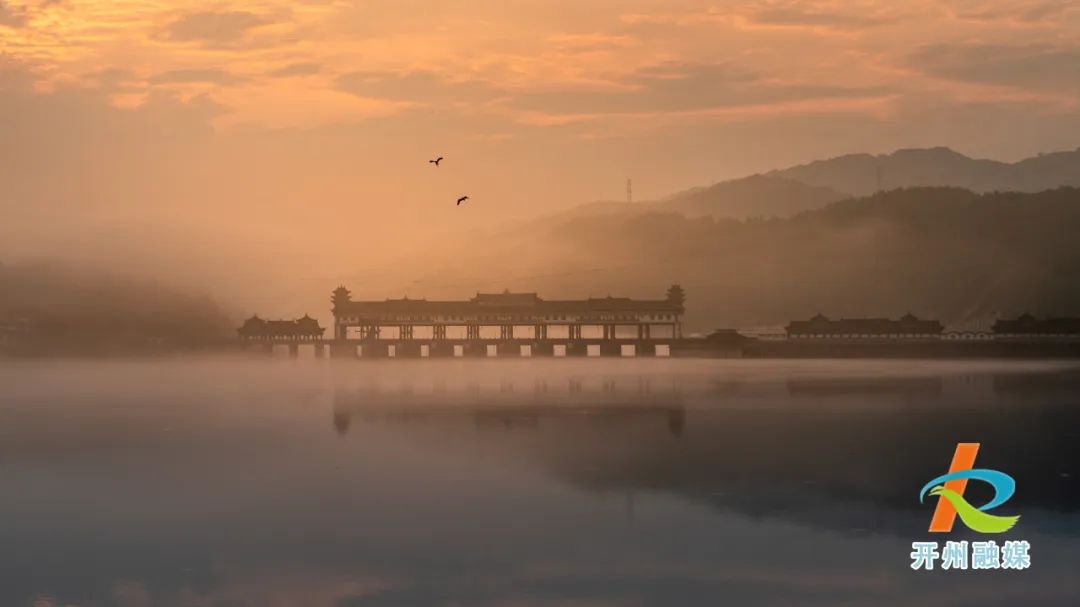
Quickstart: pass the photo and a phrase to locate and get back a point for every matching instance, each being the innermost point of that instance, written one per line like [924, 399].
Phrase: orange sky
[193, 130]
[612, 67]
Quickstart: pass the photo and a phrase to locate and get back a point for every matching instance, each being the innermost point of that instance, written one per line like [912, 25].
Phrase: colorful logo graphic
[949, 488]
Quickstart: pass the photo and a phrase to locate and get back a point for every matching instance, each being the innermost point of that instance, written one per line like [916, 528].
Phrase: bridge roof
[301, 326]
[521, 303]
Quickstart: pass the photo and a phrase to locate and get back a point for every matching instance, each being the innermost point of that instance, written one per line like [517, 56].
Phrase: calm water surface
[215, 482]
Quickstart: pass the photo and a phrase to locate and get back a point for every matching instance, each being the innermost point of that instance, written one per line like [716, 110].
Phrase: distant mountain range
[785, 192]
[862, 174]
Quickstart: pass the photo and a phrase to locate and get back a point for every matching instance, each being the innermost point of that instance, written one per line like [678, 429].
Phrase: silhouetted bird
[436, 161]
[462, 199]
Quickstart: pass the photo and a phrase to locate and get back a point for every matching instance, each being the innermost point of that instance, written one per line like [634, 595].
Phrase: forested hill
[62, 309]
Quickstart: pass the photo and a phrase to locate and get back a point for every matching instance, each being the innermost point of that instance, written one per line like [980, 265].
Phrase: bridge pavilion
[508, 324]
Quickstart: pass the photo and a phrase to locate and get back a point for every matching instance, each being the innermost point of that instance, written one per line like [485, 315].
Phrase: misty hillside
[943, 253]
[858, 174]
[64, 309]
[758, 196]
[754, 196]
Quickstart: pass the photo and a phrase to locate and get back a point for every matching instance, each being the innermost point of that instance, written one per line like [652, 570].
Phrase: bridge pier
[505, 349]
[406, 349]
[549, 348]
[440, 348]
[374, 349]
[340, 349]
[610, 348]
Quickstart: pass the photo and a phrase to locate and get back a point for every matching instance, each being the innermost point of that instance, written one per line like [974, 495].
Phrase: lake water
[571, 483]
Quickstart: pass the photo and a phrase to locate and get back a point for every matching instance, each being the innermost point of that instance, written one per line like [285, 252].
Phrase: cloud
[416, 86]
[680, 19]
[114, 79]
[1045, 11]
[1036, 66]
[660, 88]
[296, 69]
[1022, 12]
[586, 43]
[13, 74]
[818, 15]
[671, 89]
[787, 14]
[207, 76]
[680, 87]
[193, 115]
[215, 28]
[11, 16]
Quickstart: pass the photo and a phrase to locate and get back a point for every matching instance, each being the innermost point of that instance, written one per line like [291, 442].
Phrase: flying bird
[462, 199]
[436, 161]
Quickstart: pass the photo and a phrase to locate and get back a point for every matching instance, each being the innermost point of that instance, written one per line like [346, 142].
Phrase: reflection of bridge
[507, 324]
[508, 404]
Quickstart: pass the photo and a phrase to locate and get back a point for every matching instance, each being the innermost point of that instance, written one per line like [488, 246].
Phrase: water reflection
[610, 402]
[215, 483]
[846, 459]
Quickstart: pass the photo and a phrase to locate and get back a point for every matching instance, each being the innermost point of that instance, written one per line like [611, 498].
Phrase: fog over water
[275, 482]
